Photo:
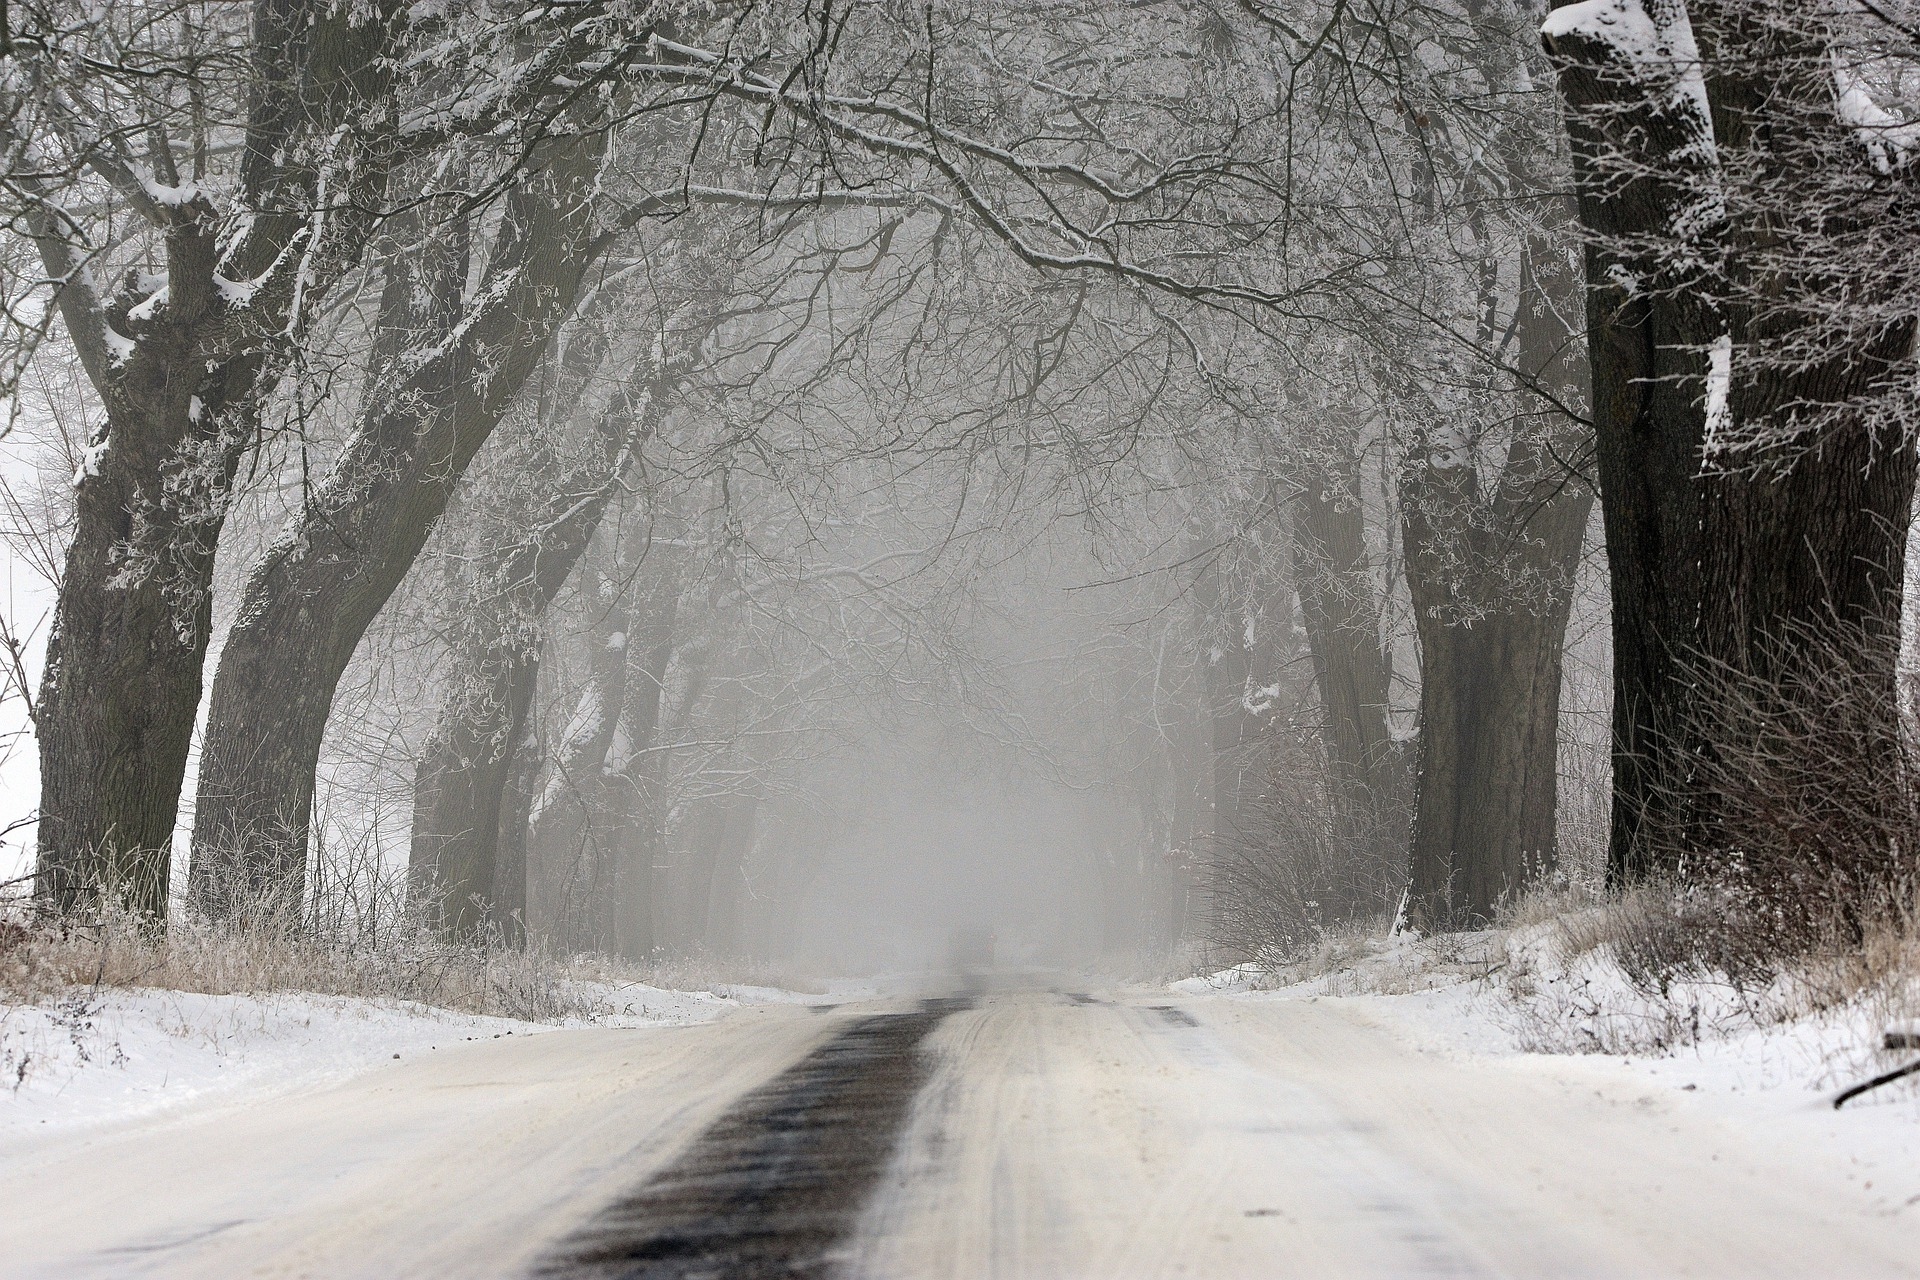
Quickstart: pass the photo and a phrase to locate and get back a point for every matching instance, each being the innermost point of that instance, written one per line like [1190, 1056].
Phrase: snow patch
[750, 994]
[236, 293]
[92, 455]
[96, 1058]
[148, 307]
[588, 716]
[1260, 702]
[119, 345]
[1665, 59]
[1449, 449]
[1512, 999]
[1889, 139]
[1636, 38]
[1719, 380]
[170, 196]
[1244, 977]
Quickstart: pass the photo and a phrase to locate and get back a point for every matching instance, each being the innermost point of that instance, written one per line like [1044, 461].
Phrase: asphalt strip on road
[775, 1185]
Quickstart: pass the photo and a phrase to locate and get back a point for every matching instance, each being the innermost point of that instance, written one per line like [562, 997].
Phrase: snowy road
[1030, 1133]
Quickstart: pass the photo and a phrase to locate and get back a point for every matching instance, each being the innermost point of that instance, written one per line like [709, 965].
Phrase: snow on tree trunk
[180, 370]
[1735, 282]
[311, 599]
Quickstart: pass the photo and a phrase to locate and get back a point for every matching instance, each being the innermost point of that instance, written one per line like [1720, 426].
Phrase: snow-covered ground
[1061, 1132]
[1703, 1050]
[97, 1058]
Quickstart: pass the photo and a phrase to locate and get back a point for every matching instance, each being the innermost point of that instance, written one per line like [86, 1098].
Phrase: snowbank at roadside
[1242, 977]
[1503, 1000]
[101, 1057]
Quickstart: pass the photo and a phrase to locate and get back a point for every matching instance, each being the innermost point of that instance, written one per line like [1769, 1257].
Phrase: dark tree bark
[643, 797]
[1721, 557]
[1809, 484]
[509, 902]
[1489, 730]
[458, 791]
[572, 836]
[597, 835]
[1169, 800]
[129, 639]
[1352, 669]
[311, 599]
[1646, 334]
[770, 931]
[1806, 528]
[461, 779]
[703, 832]
[1491, 581]
[739, 821]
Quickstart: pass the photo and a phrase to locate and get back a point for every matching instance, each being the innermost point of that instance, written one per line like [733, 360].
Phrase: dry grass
[387, 955]
[1794, 888]
[1148, 965]
[1368, 958]
[41, 962]
[1798, 818]
[1296, 868]
[1425, 964]
[1572, 969]
[1662, 967]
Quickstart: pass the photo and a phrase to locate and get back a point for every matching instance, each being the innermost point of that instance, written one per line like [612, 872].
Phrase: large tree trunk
[459, 786]
[509, 901]
[1809, 476]
[597, 835]
[703, 832]
[1352, 671]
[727, 884]
[1484, 819]
[125, 657]
[1167, 798]
[573, 836]
[460, 782]
[124, 661]
[1719, 555]
[700, 833]
[1237, 756]
[1810, 489]
[310, 601]
[643, 797]
[1491, 581]
[1169, 793]
[1645, 335]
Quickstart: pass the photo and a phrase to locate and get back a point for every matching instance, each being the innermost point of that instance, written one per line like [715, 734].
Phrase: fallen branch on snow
[1910, 1069]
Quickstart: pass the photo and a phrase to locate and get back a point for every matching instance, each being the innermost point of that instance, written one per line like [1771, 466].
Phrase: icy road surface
[1015, 1133]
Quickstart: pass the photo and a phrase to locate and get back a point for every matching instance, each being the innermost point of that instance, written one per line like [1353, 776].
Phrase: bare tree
[309, 602]
[461, 782]
[1742, 173]
[252, 157]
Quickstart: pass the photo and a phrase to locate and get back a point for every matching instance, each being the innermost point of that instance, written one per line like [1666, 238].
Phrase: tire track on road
[773, 1188]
